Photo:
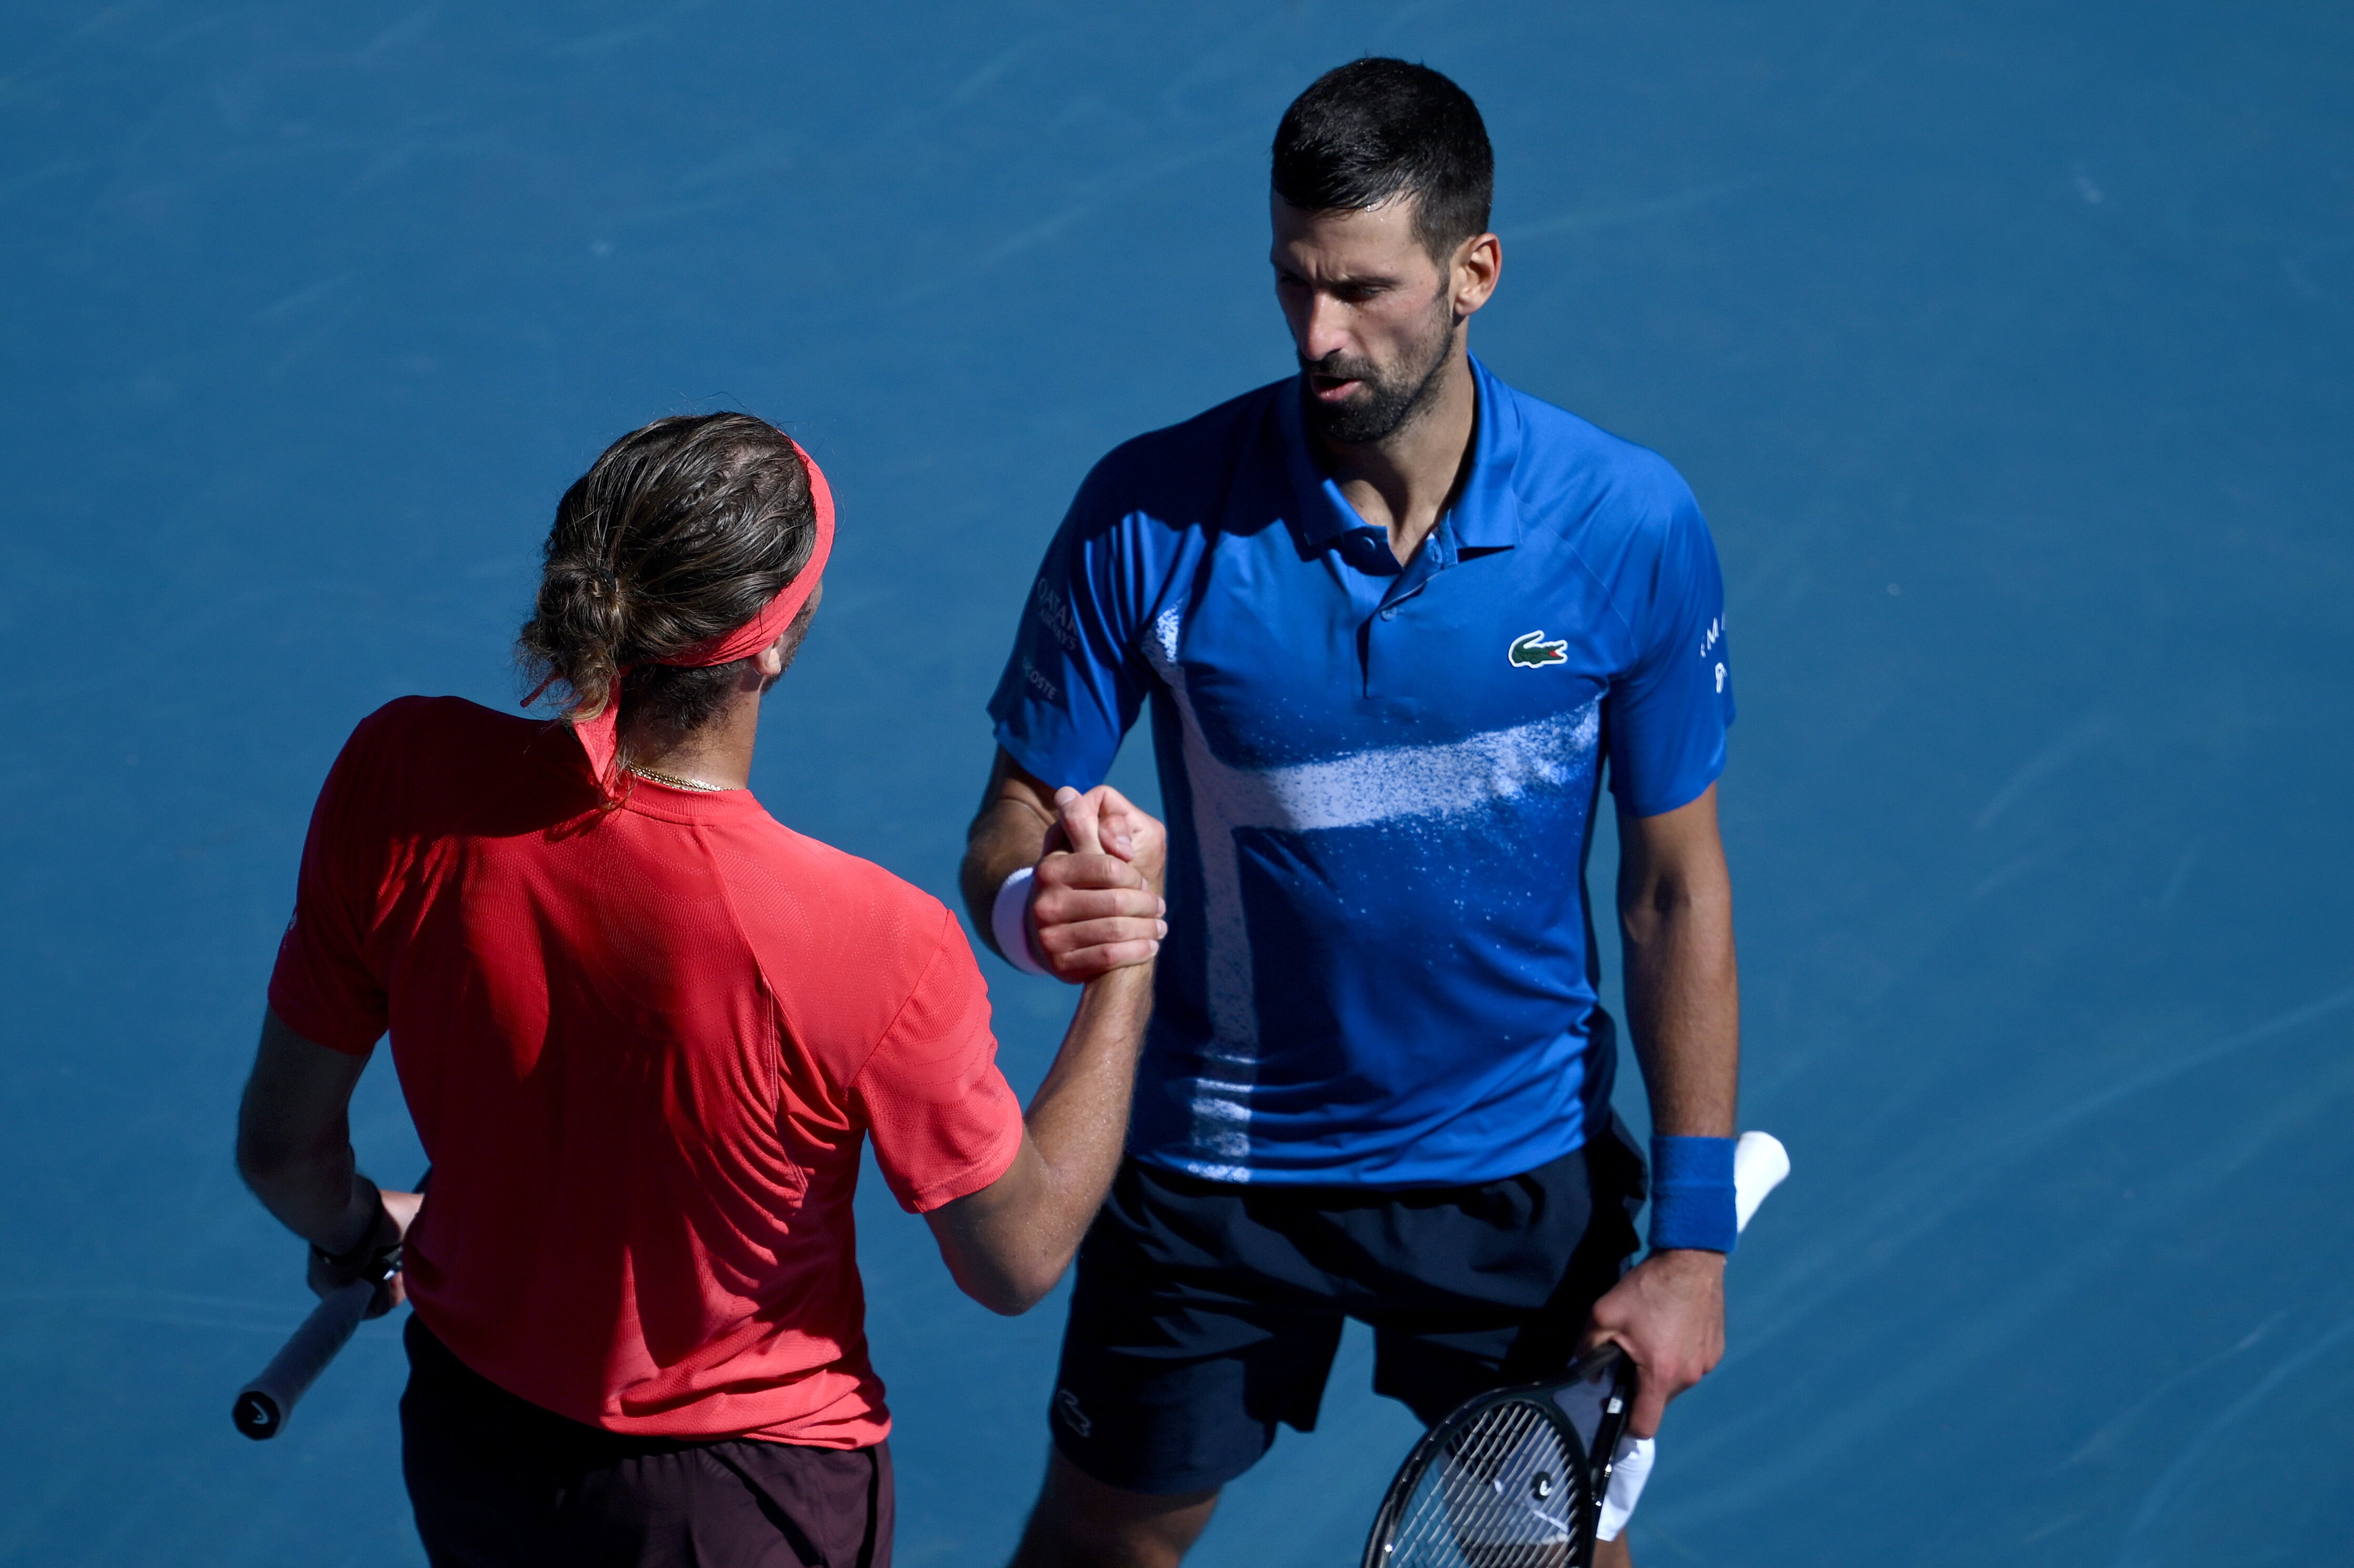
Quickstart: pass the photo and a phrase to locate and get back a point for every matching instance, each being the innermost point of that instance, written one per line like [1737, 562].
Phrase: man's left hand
[1668, 1315]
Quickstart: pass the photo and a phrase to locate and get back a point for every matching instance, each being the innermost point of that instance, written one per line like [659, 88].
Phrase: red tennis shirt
[642, 1049]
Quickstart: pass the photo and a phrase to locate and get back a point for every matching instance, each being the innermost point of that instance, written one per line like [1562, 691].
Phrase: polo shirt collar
[1486, 514]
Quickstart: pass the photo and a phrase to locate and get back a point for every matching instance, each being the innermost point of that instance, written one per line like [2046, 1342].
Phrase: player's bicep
[1686, 836]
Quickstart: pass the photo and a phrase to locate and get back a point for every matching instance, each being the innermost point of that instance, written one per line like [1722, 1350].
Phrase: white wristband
[1009, 922]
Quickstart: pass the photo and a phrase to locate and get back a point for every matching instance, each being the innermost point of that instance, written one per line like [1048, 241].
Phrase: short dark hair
[681, 531]
[1375, 128]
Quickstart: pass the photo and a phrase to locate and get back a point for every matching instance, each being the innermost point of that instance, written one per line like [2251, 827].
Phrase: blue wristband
[1691, 1194]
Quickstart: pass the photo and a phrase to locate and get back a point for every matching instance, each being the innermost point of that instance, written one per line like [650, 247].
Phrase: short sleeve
[323, 986]
[944, 1120]
[1667, 713]
[1074, 684]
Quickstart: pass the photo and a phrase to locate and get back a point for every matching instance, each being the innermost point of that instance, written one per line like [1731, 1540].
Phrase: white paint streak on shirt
[1389, 784]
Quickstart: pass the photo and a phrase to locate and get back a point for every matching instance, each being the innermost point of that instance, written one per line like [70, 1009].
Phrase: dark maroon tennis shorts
[498, 1482]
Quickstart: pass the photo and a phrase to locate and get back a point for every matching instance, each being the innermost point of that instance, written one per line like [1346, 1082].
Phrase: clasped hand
[1094, 898]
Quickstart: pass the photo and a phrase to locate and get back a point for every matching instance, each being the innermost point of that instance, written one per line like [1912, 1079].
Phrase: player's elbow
[270, 1169]
[264, 1158]
[1000, 1244]
[1007, 1287]
[1674, 899]
[273, 1158]
[1005, 1303]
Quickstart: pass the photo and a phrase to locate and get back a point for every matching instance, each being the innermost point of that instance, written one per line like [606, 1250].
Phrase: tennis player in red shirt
[644, 1029]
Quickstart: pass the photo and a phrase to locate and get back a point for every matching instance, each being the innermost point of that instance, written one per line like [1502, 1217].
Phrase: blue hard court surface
[2006, 345]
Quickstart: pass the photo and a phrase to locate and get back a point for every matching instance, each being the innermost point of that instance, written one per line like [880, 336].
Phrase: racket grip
[264, 1404]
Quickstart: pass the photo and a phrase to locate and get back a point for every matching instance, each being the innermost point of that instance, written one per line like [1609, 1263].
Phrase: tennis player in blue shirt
[1396, 622]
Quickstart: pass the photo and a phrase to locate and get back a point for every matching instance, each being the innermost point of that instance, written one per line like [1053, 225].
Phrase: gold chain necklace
[675, 781]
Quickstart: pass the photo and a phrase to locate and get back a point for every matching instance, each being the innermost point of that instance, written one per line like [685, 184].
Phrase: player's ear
[1478, 263]
[777, 657]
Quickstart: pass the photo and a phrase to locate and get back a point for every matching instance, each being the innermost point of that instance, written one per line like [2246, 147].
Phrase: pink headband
[600, 736]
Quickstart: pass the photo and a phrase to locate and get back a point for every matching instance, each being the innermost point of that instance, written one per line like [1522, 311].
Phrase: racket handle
[264, 1404]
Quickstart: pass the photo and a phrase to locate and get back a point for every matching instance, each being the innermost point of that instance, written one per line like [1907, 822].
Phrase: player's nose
[1324, 328]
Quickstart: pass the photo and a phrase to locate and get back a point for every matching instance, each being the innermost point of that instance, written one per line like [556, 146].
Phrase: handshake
[1088, 899]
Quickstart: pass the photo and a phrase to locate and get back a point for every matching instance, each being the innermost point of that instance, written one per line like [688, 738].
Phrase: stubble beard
[1387, 404]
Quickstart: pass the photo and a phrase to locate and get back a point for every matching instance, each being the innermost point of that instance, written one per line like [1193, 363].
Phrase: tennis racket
[263, 1405]
[1508, 1480]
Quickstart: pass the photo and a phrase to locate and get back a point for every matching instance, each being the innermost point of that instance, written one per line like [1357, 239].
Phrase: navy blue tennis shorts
[1207, 1312]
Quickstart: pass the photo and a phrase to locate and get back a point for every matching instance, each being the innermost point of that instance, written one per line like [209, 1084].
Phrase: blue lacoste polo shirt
[1380, 781]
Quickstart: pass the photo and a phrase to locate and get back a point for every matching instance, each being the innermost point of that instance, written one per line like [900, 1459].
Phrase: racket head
[1500, 1483]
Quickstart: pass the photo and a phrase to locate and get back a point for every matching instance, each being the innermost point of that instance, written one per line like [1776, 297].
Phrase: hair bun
[680, 532]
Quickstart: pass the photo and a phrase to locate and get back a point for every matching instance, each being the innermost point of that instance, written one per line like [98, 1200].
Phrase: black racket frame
[1598, 1461]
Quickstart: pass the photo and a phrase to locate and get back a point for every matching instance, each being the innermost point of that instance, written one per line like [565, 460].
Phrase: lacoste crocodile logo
[1531, 651]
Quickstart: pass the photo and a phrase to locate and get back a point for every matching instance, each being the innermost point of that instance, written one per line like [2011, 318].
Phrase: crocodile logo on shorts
[1529, 650]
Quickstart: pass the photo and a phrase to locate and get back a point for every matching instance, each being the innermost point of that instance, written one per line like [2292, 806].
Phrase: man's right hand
[395, 1212]
[1095, 901]
[1097, 910]
[1668, 1315]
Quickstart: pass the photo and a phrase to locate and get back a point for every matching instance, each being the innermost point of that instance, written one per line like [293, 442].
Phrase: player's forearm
[1009, 1243]
[316, 1192]
[1683, 1001]
[1006, 837]
[293, 1139]
[1008, 832]
[1078, 1119]
[1684, 994]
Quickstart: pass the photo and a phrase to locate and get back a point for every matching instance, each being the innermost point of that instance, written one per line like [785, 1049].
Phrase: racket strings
[1506, 1492]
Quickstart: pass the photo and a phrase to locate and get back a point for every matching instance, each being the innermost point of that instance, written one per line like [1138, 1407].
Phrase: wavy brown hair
[681, 531]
